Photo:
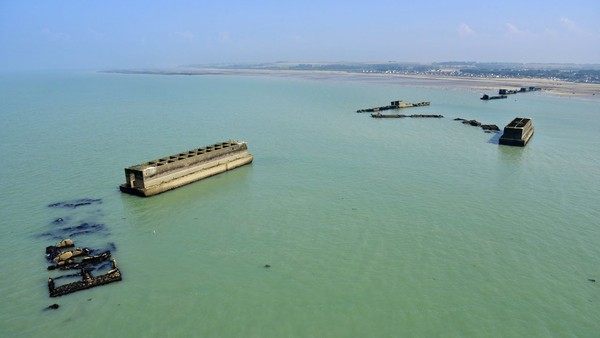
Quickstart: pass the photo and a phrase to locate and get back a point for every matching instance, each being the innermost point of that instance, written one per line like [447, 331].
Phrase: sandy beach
[484, 85]
[555, 87]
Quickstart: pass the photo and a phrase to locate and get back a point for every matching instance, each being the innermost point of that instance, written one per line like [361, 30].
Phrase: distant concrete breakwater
[398, 104]
[517, 133]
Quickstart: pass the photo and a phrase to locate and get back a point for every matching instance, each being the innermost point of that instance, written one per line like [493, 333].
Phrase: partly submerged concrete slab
[170, 172]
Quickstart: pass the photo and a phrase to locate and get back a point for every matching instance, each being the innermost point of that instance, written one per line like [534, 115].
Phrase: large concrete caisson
[154, 177]
[517, 132]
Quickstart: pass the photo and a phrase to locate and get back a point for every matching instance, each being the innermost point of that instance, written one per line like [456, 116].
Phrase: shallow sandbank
[484, 85]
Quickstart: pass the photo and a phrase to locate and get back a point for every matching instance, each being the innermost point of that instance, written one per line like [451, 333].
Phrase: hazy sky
[116, 34]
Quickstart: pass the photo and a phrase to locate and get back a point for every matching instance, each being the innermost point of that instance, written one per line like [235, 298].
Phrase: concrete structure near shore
[398, 104]
[517, 133]
[170, 172]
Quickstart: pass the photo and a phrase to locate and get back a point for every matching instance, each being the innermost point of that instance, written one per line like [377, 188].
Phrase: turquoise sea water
[372, 228]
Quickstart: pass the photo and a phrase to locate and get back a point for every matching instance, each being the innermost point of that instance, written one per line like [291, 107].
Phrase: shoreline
[550, 86]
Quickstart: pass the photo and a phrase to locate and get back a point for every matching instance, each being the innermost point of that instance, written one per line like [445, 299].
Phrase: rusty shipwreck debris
[78, 259]
[87, 281]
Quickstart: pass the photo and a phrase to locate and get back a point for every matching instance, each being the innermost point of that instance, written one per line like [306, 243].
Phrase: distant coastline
[482, 84]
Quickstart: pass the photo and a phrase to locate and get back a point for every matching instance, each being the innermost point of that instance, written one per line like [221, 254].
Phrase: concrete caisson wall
[170, 172]
[517, 133]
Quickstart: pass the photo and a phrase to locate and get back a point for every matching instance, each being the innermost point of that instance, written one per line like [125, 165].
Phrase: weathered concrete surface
[398, 104]
[517, 133]
[383, 116]
[475, 123]
[154, 177]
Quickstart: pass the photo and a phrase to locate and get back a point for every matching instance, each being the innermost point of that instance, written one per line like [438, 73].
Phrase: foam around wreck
[170, 172]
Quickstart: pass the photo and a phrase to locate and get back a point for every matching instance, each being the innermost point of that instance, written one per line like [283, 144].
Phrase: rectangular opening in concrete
[179, 170]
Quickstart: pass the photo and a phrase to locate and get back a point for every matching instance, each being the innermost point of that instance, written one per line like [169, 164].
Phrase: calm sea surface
[372, 228]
